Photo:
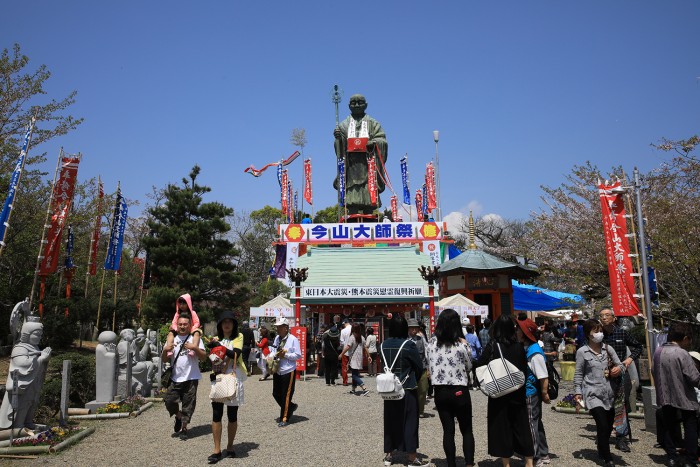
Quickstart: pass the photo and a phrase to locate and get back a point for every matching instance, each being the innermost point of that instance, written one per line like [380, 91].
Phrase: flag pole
[114, 311]
[46, 225]
[92, 241]
[99, 303]
[25, 150]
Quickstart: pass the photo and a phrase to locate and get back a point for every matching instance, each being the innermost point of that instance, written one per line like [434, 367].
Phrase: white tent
[462, 305]
[278, 306]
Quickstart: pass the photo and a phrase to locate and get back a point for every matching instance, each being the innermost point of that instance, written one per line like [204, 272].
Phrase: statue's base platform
[357, 218]
[94, 405]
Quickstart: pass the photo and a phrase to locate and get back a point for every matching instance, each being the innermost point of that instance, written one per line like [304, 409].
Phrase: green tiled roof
[350, 267]
[477, 260]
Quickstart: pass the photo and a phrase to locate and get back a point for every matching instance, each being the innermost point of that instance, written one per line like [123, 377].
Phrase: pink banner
[622, 288]
[394, 209]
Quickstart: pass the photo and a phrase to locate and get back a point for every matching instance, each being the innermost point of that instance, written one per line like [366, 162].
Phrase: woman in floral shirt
[449, 359]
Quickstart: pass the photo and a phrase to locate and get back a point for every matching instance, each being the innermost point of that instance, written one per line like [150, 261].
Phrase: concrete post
[65, 391]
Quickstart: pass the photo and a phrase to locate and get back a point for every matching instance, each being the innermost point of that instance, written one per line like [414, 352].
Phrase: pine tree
[191, 253]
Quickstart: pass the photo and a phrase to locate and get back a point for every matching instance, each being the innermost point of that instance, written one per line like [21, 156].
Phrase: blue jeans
[356, 380]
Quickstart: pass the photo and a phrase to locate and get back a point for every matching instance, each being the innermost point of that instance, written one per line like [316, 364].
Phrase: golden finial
[472, 232]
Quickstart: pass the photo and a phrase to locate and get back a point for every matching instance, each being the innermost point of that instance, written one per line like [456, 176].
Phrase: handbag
[389, 386]
[166, 378]
[499, 377]
[224, 387]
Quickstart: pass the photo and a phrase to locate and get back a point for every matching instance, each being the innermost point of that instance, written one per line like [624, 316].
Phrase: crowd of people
[442, 367]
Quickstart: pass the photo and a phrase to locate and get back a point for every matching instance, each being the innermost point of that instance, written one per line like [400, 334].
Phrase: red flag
[285, 190]
[617, 247]
[372, 179]
[60, 206]
[419, 204]
[96, 232]
[430, 183]
[394, 209]
[307, 182]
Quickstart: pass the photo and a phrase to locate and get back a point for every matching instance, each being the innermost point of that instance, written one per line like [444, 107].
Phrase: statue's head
[107, 337]
[140, 332]
[127, 334]
[31, 332]
[357, 105]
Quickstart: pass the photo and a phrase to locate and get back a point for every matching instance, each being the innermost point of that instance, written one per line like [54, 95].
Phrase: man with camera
[284, 378]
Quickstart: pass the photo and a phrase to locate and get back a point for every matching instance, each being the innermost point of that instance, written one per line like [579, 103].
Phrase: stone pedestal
[650, 408]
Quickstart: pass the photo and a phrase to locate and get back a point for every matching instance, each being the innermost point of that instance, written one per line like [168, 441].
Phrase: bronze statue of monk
[356, 138]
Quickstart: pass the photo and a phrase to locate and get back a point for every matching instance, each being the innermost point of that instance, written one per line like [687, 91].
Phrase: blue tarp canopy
[532, 298]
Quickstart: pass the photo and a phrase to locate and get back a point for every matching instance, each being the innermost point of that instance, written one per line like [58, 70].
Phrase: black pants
[455, 402]
[218, 412]
[283, 391]
[690, 427]
[603, 423]
[401, 423]
[331, 369]
[320, 365]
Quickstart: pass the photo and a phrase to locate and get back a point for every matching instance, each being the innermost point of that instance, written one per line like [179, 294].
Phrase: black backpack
[554, 378]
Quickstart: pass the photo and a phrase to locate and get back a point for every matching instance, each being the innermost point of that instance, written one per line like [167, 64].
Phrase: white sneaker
[387, 460]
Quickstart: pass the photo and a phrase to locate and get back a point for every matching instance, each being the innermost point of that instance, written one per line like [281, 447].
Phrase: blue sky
[520, 91]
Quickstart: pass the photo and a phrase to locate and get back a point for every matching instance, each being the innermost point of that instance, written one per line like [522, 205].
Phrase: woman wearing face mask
[596, 364]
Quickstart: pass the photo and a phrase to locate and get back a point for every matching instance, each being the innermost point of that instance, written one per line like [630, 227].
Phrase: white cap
[281, 321]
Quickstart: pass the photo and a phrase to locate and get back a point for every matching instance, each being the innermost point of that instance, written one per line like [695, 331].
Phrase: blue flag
[14, 181]
[116, 238]
[404, 179]
[425, 199]
[341, 180]
[279, 173]
[69, 249]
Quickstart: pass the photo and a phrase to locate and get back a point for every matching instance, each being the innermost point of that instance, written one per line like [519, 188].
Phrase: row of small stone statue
[136, 349]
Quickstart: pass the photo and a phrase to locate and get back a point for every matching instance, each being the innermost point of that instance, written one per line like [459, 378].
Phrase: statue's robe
[357, 197]
[25, 359]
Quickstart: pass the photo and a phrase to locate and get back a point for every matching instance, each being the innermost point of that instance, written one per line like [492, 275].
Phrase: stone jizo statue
[106, 367]
[358, 138]
[141, 371]
[30, 363]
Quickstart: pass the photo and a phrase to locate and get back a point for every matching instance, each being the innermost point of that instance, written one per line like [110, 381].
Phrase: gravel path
[330, 428]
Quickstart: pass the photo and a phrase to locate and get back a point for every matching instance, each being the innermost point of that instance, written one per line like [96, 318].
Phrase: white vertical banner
[432, 249]
[292, 255]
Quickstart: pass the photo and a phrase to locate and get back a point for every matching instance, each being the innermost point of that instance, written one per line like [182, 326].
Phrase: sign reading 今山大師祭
[362, 232]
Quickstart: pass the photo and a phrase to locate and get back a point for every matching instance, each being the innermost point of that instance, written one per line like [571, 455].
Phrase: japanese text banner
[308, 194]
[60, 206]
[622, 288]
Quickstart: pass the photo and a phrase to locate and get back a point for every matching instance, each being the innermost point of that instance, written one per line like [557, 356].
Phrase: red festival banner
[419, 204]
[96, 232]
[430, 184]
[60, 206]
[285, 192]
[372, 179]
[308, 196]
[394, 209]
[300, 333]
[617, 247]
